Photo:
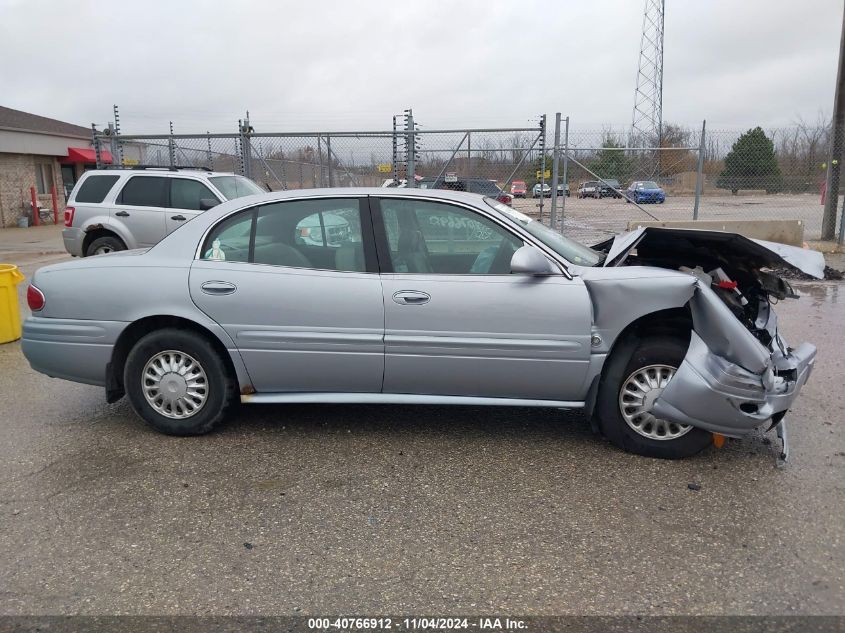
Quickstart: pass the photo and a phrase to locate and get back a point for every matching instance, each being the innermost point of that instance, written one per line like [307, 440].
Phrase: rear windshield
[95, 188]
[235, 186]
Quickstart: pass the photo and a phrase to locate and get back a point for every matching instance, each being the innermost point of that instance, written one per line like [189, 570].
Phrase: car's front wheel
[177, 382]
[637, 373]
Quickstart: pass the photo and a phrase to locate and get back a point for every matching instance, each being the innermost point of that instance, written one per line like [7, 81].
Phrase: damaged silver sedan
[665, 337]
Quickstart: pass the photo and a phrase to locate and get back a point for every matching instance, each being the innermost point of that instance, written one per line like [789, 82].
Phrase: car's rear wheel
[106, 244]
[177, 382]
[637, 373]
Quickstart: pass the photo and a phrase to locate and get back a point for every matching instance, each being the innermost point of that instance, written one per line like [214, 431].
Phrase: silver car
[118, 209]
[663, 337]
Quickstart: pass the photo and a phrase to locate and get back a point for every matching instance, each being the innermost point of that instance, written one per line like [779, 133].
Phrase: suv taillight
[35, 298]
[69, 211]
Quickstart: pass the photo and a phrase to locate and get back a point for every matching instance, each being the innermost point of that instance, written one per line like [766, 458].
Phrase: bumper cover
[73, 237]
[714, 394]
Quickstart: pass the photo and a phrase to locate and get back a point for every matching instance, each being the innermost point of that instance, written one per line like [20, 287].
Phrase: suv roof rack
[163, 167]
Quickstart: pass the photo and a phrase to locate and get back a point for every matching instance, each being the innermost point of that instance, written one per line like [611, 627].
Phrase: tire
[213, 386]
[107, 244]
[632, 356]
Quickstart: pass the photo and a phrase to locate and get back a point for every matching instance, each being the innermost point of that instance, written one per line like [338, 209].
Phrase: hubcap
[103, 249]
[174, 384]
[636, 399]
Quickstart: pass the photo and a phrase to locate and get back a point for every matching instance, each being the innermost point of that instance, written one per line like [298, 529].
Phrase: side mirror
[207, 203]
[530, 261]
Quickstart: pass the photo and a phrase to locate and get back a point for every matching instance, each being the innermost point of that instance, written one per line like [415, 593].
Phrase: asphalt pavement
[315, 510]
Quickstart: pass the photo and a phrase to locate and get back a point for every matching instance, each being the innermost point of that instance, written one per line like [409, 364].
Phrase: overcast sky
[334, 65]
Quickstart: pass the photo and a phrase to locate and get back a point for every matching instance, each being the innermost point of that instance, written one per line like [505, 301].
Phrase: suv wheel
[177, 382]
[107, 244]
[638, 372]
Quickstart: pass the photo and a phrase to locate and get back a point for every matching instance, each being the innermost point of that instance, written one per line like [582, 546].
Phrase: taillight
[35, 298]
[69, 211]
[505, 198]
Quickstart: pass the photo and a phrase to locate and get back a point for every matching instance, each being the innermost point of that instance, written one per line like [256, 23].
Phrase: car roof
[156, 171]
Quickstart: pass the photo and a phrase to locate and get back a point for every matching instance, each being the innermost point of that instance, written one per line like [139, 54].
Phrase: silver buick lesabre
[666, 338]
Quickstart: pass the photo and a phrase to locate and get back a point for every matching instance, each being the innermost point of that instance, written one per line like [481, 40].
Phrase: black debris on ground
[830, 274]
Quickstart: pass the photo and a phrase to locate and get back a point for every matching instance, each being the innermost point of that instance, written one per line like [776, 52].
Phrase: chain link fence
[702, 174]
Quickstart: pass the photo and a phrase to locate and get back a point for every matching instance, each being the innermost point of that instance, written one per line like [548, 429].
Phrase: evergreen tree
[751, 164]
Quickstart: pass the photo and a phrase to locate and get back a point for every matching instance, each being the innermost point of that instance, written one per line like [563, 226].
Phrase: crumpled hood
[660, 242]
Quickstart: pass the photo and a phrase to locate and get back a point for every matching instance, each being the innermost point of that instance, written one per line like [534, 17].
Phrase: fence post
[113, 145]
[565, 172]
[469, 154]
[171, 147]
[119, 155]
[246, 147]
[699, 176]
[329, 157]
[555, 163]
[320, 158]
[542, 164]
[95, 141]
[411, 180]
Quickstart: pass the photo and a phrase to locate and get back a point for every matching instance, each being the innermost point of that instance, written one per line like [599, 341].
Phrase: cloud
[333, 65]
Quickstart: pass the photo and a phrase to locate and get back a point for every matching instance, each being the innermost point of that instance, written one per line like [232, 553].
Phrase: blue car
[642, 191]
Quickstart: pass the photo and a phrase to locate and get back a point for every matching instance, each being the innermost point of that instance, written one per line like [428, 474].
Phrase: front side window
[319, 234]
[143, 191]
[188, 194]
[434, 237]
[570, 250]
[95, 188]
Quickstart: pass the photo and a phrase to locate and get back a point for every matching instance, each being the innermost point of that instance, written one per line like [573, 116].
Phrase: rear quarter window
[95, 188]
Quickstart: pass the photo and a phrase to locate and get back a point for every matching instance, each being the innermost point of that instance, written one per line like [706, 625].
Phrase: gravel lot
[388, 509]
[592, 221]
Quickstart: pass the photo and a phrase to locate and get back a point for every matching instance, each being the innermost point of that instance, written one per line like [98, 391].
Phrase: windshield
[648, 184]
[570, 250]
[235, 186]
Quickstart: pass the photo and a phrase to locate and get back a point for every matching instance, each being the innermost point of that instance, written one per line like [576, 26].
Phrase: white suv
[116, 209]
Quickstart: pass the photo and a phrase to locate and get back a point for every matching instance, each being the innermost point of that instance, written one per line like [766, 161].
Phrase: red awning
[85, 155]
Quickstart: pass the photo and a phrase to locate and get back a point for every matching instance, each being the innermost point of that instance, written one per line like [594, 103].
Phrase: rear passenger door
[139, 207]
[184, 201]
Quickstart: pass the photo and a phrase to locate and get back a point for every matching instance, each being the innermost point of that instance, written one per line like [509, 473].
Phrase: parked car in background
[541, 190]
[610, 188]
[642, 191]
[481, 186]
[663, 336]
[563, 189]
[519, 189]
[589, 189]
[118, 209]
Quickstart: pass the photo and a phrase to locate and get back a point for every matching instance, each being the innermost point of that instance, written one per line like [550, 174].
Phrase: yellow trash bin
[10, 315]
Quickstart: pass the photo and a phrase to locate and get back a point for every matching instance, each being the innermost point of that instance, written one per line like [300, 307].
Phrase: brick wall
[17, 175]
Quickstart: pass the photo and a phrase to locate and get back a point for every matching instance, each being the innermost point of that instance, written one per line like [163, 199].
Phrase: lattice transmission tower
[647, 120]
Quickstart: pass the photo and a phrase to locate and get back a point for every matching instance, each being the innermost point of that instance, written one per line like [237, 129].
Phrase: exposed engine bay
[738, 269]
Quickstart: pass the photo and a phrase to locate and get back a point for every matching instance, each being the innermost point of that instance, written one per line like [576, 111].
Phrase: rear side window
[143, 191]
[95, 188]
[187, 194]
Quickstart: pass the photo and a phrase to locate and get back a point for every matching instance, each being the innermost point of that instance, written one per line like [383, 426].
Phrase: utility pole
[834, 163]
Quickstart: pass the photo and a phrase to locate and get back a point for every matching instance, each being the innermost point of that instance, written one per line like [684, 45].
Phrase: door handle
[179, 218]
[411, 297]
[218, 288]
[122, 214]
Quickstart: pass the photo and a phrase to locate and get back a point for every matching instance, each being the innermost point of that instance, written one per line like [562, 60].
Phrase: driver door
[458, 323]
